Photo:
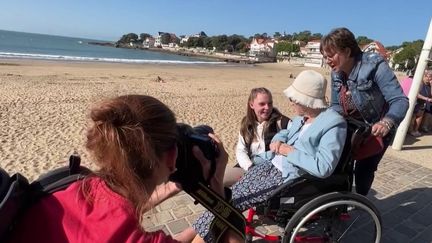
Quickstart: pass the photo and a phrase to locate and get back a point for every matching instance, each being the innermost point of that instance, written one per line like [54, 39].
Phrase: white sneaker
[415, 134]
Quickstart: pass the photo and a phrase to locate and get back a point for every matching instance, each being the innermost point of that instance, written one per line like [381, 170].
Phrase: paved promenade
[402, 191]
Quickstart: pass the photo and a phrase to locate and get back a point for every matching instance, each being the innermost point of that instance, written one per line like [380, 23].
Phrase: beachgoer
[314, 143]
[407, 82]
[261, 122]
[132, 139]
[365, 88]
[426, 91]
[424, 98]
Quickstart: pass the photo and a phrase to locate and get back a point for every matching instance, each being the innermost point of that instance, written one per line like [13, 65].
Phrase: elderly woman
[312, 143]
[364, 88]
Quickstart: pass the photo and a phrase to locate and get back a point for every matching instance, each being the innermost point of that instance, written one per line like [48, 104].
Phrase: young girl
[261, 122]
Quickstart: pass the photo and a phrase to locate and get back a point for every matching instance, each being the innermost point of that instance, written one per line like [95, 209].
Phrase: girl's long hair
[248, 128]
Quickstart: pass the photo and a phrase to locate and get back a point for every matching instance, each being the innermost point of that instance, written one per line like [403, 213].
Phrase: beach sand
[44, 104]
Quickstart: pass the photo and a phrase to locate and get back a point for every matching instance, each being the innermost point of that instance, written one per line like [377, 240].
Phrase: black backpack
[17, 194]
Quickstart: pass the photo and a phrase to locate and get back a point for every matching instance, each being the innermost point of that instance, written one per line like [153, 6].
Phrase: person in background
[426, 91]
[365, 88]
[423, 101]
[424, 98]
[261, 122]
[313, 144]
[407, 82]
[133, 140]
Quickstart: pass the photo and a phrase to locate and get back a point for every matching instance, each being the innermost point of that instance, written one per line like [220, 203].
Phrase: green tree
[286, 46]
[220, 42]
[277, 35]
[363, 40]
[302, 36]
[392, 48]
[316, 36]
[408, 57]
[144, 36]
[165, 38]
[242, 47]
[208, 44]
[128, 38]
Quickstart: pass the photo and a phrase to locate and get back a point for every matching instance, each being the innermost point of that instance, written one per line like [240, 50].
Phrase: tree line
[406, 57]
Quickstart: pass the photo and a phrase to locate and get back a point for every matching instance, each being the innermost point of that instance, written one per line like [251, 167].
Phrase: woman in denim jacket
[364, 87]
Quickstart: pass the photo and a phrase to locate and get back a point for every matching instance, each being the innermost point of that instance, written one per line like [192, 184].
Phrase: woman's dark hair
[339, 39]
[127, 137]
[248, 128]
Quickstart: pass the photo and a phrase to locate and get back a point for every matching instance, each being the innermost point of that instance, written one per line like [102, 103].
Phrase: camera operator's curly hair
[127, 138]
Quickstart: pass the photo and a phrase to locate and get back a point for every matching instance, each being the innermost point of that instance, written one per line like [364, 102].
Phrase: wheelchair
[312, 209]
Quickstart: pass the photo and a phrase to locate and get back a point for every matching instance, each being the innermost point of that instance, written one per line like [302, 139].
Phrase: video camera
[190, 176]
[189, 170]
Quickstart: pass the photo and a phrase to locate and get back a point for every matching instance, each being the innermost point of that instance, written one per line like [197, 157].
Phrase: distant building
[299, 43]
[149, 42]
[186, 38]
[376, 47]
[260, 47]
[313, 57]
[158, 40]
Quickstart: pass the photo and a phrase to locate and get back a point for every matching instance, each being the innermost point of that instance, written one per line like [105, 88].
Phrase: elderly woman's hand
[274, 146]
[285, 149]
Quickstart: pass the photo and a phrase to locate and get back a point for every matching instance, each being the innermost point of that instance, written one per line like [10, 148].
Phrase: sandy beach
[44, 104]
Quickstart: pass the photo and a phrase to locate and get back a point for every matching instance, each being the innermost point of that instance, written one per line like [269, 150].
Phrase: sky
[389, 21]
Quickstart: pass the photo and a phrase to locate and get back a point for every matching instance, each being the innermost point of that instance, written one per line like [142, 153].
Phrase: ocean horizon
[22, 45]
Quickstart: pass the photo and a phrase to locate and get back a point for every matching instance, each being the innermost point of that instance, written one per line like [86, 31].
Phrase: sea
[21, 45]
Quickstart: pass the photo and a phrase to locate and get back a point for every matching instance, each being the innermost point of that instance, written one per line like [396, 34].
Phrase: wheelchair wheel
[335, 217]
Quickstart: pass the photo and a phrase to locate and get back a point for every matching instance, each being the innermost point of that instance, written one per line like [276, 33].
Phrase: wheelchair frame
[295, 202]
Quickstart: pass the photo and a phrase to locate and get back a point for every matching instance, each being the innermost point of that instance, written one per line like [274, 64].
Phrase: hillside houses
[262, 48]
[171, 42]
[376, 47]
[149, 42]
[313, 57]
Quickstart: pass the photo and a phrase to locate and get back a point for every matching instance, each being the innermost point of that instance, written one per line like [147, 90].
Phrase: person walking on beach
[261, 122]
[365, 88]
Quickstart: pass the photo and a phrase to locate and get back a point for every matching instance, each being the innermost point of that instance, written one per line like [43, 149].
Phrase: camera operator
[133, 140]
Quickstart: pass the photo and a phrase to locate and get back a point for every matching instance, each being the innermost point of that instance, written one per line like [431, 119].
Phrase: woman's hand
[285, 149]
[216, 182]
[274, 146]
[380, 129]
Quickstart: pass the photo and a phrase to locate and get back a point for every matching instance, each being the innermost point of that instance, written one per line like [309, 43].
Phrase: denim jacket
[373, 86]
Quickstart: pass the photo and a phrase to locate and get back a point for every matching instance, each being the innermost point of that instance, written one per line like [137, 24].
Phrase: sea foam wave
[97, 59]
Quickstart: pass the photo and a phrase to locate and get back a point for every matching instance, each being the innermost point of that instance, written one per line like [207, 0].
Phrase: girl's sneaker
[415, 134]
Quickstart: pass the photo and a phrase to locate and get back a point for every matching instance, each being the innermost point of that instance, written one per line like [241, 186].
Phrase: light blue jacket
[319, 149]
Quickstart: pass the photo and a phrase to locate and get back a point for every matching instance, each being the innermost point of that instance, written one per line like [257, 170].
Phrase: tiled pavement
[402, 191]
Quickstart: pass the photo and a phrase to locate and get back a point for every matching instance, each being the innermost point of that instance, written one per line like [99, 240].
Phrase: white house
[158, 40]
[186, 38]
[313, 57]
[376, 47]
[149, 42]
[262, 47]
